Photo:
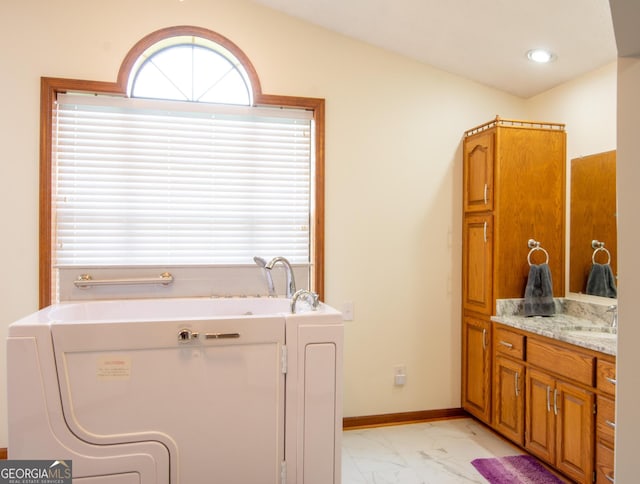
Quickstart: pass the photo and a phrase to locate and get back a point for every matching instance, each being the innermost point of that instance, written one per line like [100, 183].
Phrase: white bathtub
[190, 390]
[166, 309]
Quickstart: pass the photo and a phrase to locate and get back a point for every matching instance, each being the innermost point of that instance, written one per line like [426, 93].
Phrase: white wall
[393, 169]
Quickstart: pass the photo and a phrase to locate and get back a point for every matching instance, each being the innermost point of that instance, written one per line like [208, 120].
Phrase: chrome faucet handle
[304, 293]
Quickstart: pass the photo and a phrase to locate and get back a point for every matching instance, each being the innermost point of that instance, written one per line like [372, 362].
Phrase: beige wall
[628, 169]
[393, 168]
[587, 106]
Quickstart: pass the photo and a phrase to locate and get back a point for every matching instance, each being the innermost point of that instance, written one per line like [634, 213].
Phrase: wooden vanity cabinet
[513, 190]
[539, 401]
[557, 401]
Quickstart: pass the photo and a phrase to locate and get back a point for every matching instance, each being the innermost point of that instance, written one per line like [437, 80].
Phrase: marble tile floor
[438, 452]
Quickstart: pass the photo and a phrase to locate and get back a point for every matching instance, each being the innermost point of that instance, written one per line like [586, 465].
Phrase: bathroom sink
[593, 333]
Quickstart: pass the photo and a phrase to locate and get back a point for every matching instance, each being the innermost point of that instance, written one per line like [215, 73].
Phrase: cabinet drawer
[568, 363]
[604, 464]
[606, 421]
[606, 377]
[509, 343]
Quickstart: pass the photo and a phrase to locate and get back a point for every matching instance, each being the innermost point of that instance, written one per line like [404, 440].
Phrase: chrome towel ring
[534, 245]
[599, 247]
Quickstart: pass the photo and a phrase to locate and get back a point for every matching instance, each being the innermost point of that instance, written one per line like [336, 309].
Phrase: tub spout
[312, 297]
[262, 263]
[291, 281]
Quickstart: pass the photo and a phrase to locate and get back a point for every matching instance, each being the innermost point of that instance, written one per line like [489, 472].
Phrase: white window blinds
[140, 182]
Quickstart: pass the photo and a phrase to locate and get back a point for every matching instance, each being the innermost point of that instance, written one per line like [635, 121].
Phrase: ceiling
[482, 40]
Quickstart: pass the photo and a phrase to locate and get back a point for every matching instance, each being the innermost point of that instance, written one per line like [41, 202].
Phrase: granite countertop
[585, 329]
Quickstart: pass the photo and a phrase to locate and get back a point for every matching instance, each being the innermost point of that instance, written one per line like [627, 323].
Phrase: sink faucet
[613, 309]
[291, 282]
[262, 263]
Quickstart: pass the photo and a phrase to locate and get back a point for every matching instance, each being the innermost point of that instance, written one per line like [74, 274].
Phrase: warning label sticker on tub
[114, 367]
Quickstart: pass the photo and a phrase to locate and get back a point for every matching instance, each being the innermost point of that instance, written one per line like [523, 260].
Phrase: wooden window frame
[50, 87]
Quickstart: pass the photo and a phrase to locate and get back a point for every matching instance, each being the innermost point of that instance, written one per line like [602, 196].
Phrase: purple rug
[514, 469]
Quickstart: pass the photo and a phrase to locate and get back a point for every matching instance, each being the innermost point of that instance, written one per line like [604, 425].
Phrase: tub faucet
[291, 281]
[263, 263]
[613, 309]
[312, 297]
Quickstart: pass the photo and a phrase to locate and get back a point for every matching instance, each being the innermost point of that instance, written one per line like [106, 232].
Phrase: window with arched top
[184, 166]
[190, 68]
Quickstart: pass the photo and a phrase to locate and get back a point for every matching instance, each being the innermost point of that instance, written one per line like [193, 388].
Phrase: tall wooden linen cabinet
[514, 190]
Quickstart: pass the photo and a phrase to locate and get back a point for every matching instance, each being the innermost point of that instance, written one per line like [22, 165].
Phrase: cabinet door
[319, 462]
[508, 399]
[201, 399]
[540, 421]
[477, 263]
[476, 367]
[574, 431]
[478, 172]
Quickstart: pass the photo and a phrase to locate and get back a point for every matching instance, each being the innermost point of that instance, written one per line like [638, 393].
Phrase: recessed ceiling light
[541, 56]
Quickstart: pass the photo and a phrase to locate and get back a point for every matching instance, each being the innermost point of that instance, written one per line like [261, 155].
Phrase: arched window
[190, 68]
[187, 169]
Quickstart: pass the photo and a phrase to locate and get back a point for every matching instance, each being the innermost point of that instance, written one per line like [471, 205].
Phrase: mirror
[593, 241]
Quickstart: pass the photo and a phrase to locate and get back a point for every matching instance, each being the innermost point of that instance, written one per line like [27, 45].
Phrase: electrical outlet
[399, 375]
[347, 311]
